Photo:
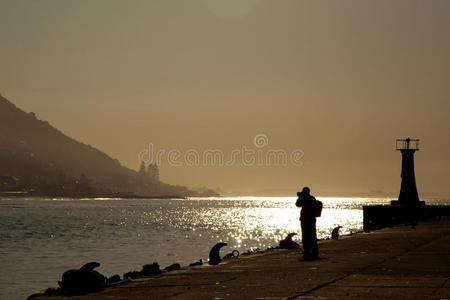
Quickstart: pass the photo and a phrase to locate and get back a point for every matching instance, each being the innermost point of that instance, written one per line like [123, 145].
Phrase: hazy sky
[338, 80]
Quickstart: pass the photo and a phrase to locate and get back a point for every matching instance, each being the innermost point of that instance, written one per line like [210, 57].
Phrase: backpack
[318, 208]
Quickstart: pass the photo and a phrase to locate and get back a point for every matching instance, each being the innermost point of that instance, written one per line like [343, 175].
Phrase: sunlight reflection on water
[40, 239]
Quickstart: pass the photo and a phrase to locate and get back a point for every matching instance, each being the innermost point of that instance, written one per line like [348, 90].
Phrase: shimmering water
[41, 238]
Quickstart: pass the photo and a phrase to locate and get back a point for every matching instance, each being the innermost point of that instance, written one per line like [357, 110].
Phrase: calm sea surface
[42, 238]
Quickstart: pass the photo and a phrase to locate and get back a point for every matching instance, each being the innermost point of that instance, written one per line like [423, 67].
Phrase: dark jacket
[308, 205]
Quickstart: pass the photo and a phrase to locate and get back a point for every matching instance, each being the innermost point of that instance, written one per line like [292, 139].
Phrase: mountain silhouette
[40, 159]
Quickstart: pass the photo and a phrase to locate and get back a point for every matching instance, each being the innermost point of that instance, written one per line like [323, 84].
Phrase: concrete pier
[391, 263]
[381, 216]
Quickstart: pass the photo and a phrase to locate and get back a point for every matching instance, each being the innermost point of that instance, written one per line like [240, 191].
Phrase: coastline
[128, 197]
[399, 262]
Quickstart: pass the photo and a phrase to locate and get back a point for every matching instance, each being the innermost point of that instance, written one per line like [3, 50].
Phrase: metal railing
[402, 144]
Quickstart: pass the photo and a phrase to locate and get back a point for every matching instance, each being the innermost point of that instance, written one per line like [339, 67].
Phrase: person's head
[305, 191]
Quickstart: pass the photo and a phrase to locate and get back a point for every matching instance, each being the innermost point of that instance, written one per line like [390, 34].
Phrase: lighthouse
[408, 209]
[408, 190]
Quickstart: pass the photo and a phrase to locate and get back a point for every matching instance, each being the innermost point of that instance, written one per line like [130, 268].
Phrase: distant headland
[36, 159]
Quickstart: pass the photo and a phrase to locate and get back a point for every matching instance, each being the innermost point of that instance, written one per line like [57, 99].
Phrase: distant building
[151, 172]
[8, 183]
[142, 169]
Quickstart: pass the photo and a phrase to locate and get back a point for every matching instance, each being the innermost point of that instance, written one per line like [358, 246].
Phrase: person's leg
[304, 237]
[307, 239]
[314, 246]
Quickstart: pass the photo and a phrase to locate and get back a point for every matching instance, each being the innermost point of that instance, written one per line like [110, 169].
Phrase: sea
[42, 238]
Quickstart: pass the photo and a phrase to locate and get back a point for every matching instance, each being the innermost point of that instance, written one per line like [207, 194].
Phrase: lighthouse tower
[408, 190]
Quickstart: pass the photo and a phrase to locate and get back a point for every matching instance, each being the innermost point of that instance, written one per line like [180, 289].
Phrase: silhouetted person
[308, 223]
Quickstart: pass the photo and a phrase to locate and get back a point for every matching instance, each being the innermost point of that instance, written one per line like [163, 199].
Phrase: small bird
[335, 233]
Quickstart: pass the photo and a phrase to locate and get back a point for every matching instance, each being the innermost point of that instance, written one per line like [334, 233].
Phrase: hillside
[40, 159]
